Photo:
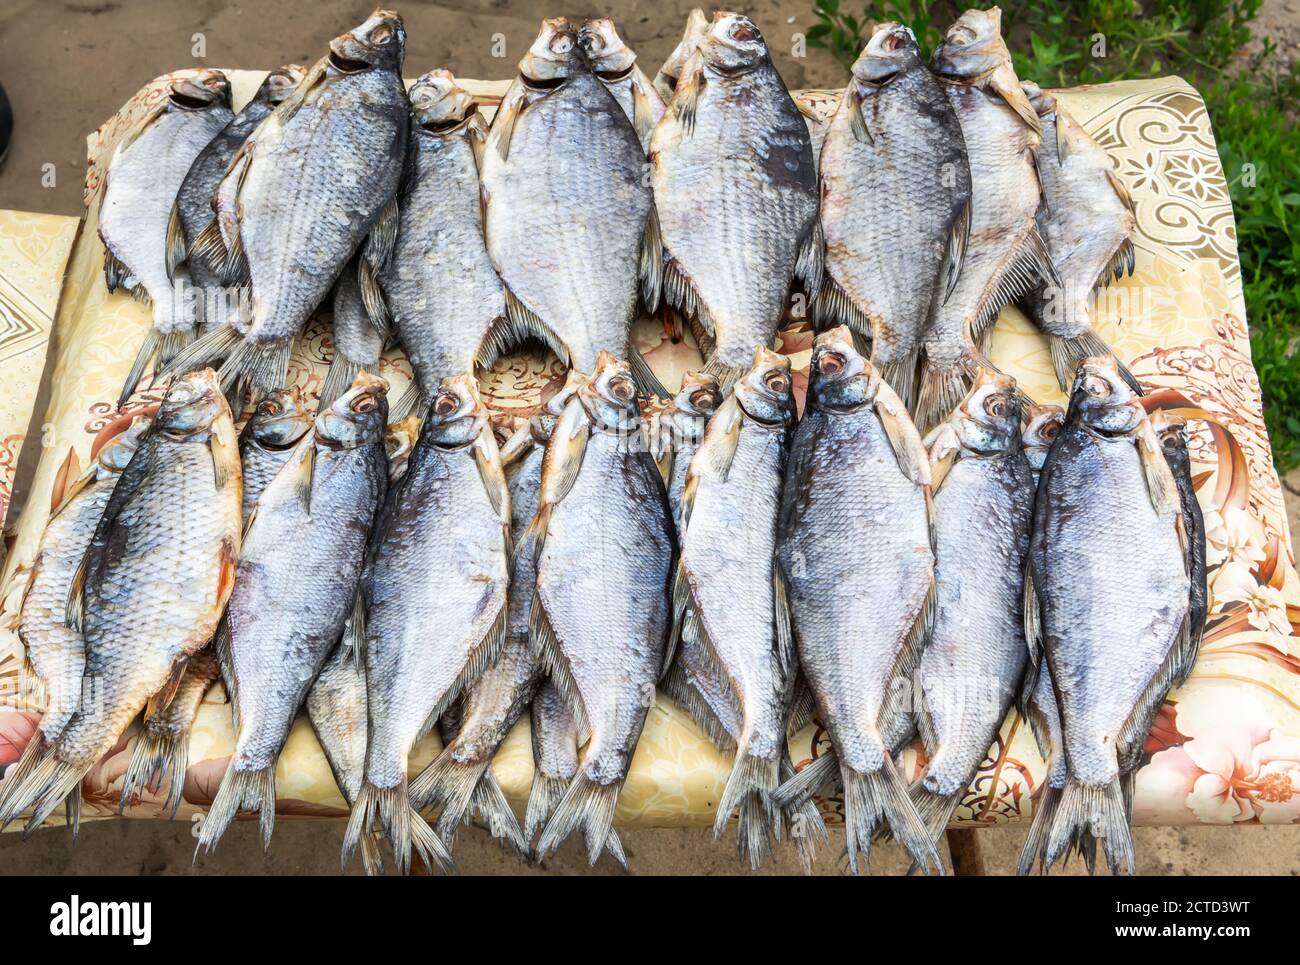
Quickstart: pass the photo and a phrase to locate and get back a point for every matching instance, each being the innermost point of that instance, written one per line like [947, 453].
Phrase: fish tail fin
[935, 809]
[204, 351]
[880, 797]
[159, 759]
[644, 376]
[1097, 811]
[338, 379]
[401, 822]
[805, 821]
[260, 367]
[411, 401]
[461, 789]
[941, 389]
[240, 790]
[489, 804]
[901, 376]
[800, 787]
[749, 788]
[372, 861]
[1044, 814]
[72, 812]
[160, 348]
[54, 782]
[588, 806]
[1067, 353]
[542, 800]
[727, 375]
[18, 791]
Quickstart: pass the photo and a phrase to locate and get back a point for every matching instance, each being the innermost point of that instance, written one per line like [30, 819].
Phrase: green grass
[1253, 103]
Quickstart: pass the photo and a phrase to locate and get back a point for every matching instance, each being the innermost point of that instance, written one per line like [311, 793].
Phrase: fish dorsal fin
[912, 458]
[1004, 83]
[689, 85]
[176, 248]
[160, 701]
[652, 263]
[1121, 191]
[955, 256]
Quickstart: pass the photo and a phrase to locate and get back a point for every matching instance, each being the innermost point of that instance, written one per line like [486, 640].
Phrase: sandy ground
[90, 55]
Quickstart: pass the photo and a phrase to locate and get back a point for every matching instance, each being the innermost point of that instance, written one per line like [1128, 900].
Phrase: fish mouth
[444, 127]
[190, 102]
[346, 65]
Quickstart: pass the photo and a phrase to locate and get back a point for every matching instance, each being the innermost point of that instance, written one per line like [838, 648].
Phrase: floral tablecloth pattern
[1226, 747]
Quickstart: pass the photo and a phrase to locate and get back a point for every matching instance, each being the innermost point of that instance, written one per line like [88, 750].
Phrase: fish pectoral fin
[519, 444]
[546, 648]
[161, 700]
[487, 459]
[503, 122]
[912, 458]
[717, 451]
[1032, 618]
[686, 99]
[565, 453]
[176, 248]
[1006, 85]
[1121, 191]
[643, 112]
[379, 245]
[955, 257]
[857, 122]
[225, 452]
[476, 132]
[115, 271]
[1161, 486]
[301, 469]
[74, 609]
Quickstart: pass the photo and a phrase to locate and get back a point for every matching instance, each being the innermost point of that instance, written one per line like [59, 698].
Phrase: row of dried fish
[461, 241]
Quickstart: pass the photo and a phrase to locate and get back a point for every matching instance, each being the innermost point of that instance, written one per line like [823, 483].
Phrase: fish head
[1172, 431]
[609, 396]
[697, 25]
[193, 402]
[609, 57]
[733, 44]
[399, 440]
[280, 83]
[117, 452]
[1105, 402]
[840, 379]
[280, 419]
[379, 42]
[766, 392]
[456, 417]
[439, 103]
[357, 417]
[693, 404]
[200, 91]
[973, 46]
[1042, 102]
[988, 419]
[554, 56]
[891, 50]
[1042, 426]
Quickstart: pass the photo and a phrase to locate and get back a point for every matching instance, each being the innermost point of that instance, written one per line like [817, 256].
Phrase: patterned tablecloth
[1226, 746]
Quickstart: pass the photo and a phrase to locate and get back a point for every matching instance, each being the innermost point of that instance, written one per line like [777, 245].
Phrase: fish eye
[562, 44]
[367, 402]
[445, 404]
[1096, 386]
[1050, 431]
[621, 388]
[831, 363]
[703, 399]
[777, 381]
[996, 406]
[895, 40]
[268, 407]
[381, 34]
